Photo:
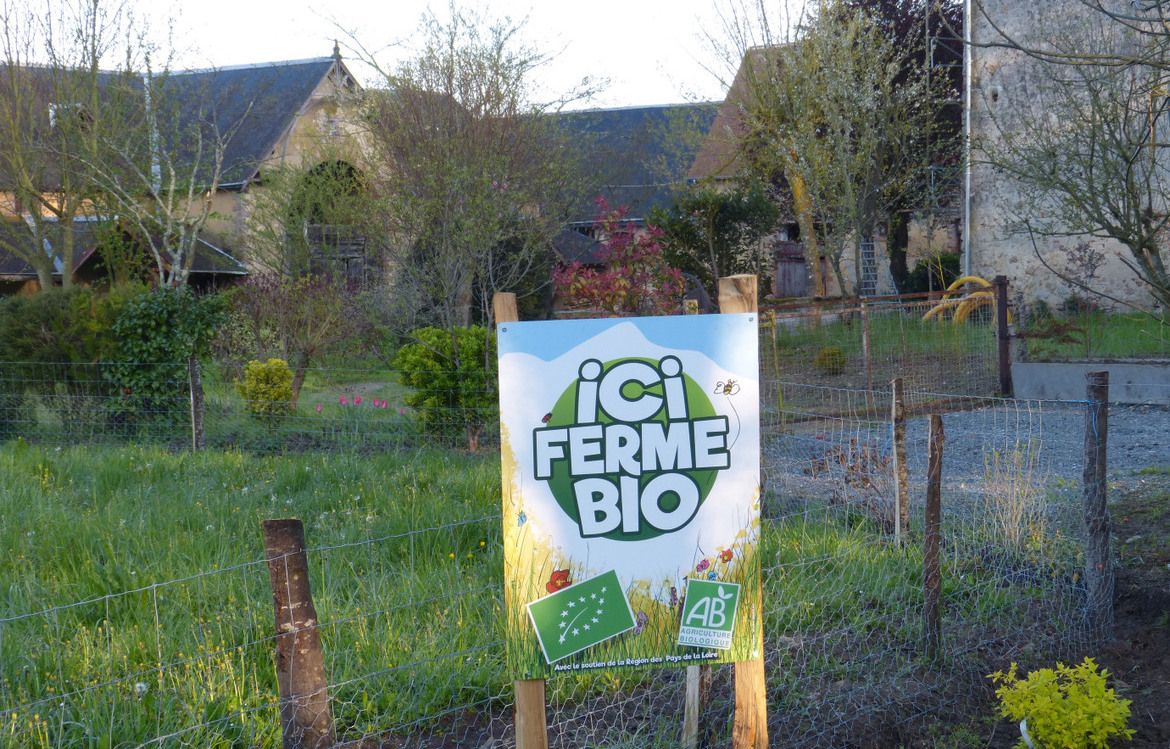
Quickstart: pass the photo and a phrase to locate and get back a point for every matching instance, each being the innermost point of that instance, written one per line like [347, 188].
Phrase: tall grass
[136, 604]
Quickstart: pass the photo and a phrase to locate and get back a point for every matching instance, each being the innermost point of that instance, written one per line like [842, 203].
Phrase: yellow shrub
[267, 388]
[1069, 708]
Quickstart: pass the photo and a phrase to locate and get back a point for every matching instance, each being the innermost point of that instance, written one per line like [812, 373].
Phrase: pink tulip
[402, 412]
[385, 404]
[377, 403]
[343, 400]
[357, 400]
[318, 408]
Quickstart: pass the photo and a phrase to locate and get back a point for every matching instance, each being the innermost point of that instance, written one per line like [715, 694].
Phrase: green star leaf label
[708, 618]
[580, 616]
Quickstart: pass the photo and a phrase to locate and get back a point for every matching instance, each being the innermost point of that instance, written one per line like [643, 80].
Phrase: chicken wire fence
[863, 344]
[339, 409]
[410, 622]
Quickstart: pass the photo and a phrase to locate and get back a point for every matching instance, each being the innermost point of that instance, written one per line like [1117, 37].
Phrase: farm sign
[630, 458]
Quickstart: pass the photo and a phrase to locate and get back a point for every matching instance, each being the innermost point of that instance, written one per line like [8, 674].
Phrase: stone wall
[1008, 87]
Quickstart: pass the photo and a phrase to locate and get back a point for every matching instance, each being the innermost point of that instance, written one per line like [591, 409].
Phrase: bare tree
[52, 115]
[844, 115]
[158, 170]
[476, 179]
[1086, 149]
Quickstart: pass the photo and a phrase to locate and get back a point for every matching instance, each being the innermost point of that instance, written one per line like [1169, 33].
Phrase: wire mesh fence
[864, 344]
[408, 613]
[359, 409]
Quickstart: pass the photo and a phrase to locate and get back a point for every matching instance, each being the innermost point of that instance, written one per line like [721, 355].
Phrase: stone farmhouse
[277, 114]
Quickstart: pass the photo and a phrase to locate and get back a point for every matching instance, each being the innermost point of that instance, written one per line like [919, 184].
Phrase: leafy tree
[160, 335]
[712, 232]
[636, 279]
[845, 119]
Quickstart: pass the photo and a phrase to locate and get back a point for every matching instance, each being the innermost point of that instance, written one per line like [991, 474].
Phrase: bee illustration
[546, 417]
[730, 387]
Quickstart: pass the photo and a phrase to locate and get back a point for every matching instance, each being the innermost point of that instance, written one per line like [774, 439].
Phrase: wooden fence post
[737, 294]
[529, 712]
[901, 507]
[1098, 554]
[695, 732]
[932, 573]
[1003, 336]
[867, 354]
[305, 718]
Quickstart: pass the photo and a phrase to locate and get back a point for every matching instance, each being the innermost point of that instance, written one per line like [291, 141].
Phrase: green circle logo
[631, 448]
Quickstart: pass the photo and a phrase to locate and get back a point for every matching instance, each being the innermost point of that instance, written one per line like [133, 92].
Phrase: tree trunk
[897, 243]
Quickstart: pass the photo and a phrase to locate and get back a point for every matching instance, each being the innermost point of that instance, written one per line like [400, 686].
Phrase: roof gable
[260, 102]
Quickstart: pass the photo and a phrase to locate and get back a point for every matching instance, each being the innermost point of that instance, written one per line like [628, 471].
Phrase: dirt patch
[1138, 655]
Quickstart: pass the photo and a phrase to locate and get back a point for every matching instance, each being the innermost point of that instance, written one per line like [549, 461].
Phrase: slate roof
[637, 154]
[262, 100]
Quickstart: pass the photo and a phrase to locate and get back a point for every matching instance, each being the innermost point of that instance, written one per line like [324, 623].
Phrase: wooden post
[305, 718]
[1098, 554]
[901, 509]
[931, 572]
[1003, 336]
[867, 355]
[737, 294]
[695, 732]
[531, 722]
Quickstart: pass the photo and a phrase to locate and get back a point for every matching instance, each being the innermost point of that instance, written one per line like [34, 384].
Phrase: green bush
[50, 346]
[156, 333]
[830, 360]
[933, 273]
[452, 391]
[267, 388]
[1069, 708]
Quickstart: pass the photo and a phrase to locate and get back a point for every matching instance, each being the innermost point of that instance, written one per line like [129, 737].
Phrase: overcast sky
[651, 51]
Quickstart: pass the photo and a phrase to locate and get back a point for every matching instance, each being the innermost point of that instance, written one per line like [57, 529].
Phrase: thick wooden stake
[737, 294]
[696, 733]
[531, 722]
[1003, 335]
[305, 719]
[932, 573]
[867, 355]
[1098, 554]
[901, 509]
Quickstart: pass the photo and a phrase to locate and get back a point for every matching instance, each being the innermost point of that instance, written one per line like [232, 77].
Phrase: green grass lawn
[136, 602]
[1097, 335]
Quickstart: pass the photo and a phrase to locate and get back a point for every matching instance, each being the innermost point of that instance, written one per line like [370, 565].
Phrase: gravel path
[811, 458]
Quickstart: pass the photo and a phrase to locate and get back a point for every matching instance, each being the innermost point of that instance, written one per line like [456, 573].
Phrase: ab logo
[709, 614]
